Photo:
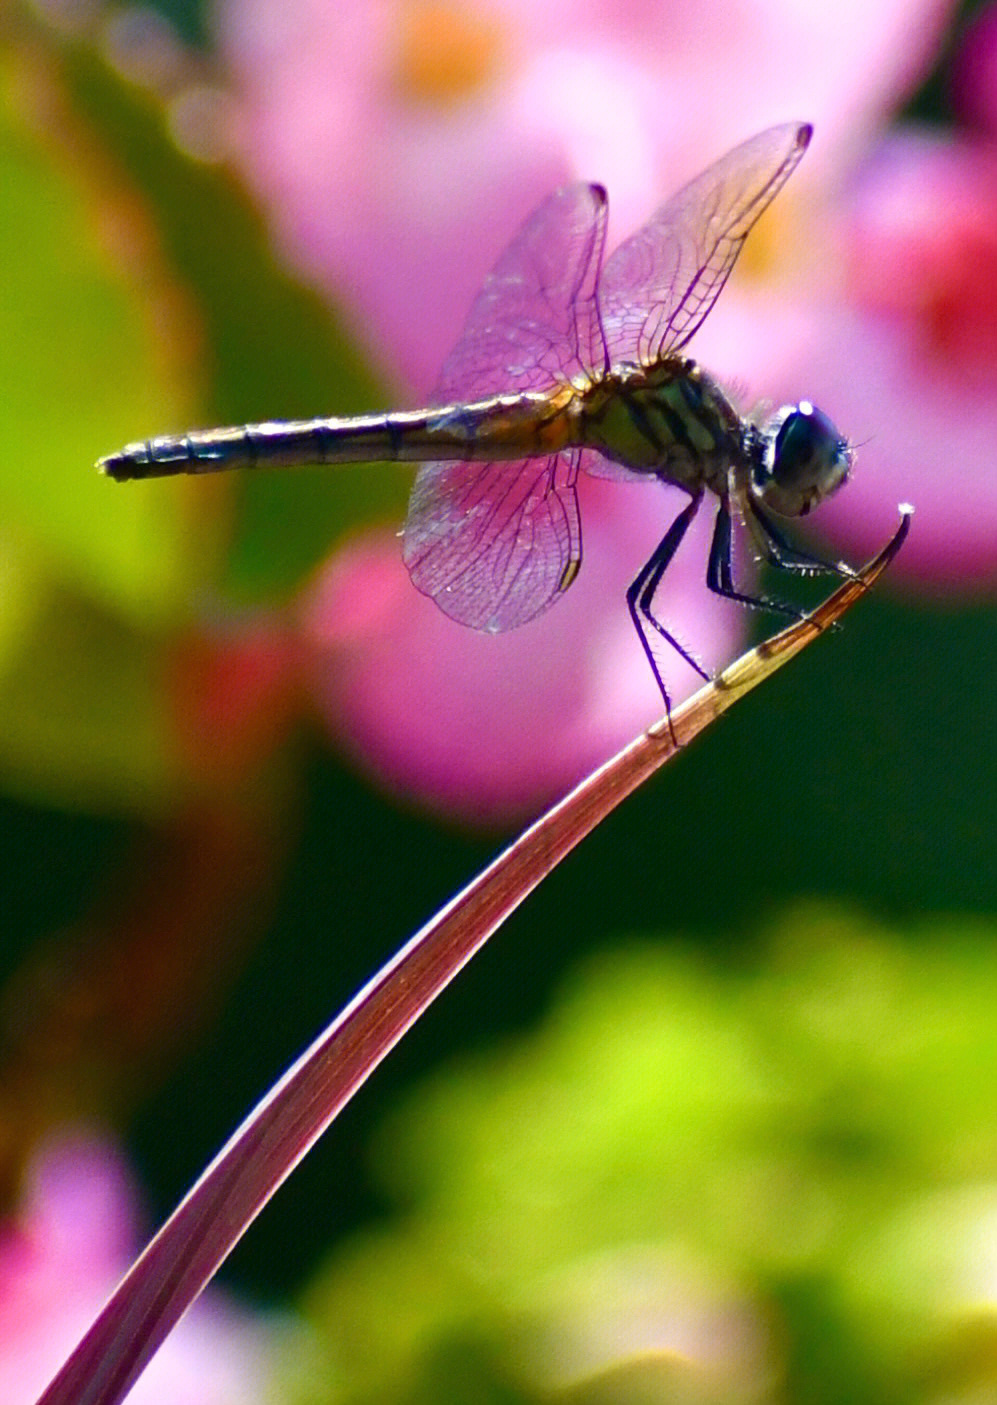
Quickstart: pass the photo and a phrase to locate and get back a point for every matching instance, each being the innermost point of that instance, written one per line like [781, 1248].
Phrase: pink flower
[398, 145]
[60, 1256]
[907, 356]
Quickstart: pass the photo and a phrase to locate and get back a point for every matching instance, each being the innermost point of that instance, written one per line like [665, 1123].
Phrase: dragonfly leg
[782, 554]
[640, 597]
[720, 575]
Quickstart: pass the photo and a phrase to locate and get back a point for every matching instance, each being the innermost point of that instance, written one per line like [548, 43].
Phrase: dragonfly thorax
[798, 459]
[671, 420]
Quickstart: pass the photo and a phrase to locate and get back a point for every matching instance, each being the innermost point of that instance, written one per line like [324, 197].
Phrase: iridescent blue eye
[804, 459]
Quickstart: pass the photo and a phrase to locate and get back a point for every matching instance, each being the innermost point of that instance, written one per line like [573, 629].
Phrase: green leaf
[84, 707]
[85, 343]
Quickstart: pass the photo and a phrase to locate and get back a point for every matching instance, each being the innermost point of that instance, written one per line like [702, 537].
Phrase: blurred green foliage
[124, 311]
[734, 1163]
[263, 339]
[84, 595]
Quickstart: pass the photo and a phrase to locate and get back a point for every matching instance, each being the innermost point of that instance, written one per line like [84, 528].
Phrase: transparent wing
[660, 284]
[494, 544]
[536, 320]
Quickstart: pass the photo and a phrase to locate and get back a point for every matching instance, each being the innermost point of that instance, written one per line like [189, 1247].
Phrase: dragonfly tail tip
[116, 466]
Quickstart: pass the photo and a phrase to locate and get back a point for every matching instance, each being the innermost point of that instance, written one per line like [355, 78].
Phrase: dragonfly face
[802, 459]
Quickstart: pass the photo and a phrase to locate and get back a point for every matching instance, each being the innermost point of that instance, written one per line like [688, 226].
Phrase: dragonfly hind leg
[640, 597]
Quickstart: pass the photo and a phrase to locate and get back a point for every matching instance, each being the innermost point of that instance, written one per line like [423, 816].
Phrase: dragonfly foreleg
[720, 575]
[782, 554]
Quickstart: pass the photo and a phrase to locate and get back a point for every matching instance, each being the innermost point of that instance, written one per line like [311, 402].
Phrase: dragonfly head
[801, 460]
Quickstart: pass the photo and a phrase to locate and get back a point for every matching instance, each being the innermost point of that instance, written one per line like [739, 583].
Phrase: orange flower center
[445, 52]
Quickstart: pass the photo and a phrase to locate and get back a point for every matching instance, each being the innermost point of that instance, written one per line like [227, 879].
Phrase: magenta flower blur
[399, 144]
[908, 356]
[63, 1251]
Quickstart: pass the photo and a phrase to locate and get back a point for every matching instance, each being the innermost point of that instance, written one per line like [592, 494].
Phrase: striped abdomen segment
[502, 427]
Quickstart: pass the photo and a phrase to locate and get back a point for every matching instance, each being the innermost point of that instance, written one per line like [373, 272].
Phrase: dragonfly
[569, 363]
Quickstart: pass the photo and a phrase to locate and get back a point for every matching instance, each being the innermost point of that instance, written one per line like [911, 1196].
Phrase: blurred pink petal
[59, 1258]
[922, 234]
[492, 726]
[399, 145]
[906, 359]
[930, 443]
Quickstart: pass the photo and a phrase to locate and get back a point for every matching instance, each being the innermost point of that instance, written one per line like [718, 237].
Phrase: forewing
[536, 320]
[494, 544]
[660, 284]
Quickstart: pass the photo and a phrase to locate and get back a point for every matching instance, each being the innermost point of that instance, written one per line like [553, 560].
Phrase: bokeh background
[713, 1117]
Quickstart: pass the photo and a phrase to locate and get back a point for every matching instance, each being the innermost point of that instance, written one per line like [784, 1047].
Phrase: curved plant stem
[202, 1231]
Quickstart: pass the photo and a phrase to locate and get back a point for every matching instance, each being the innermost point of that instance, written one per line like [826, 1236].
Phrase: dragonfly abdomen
[501, 427]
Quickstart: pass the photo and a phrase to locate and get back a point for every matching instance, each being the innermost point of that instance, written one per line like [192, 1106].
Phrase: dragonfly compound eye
[804, 459]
